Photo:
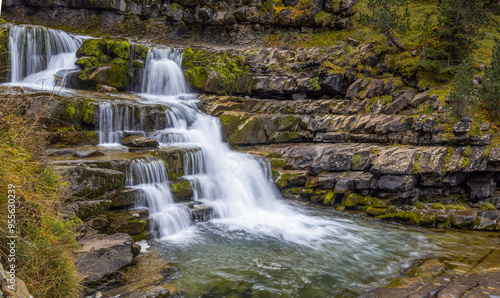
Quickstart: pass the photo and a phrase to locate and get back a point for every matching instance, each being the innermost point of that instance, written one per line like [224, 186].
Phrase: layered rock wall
[226, 21]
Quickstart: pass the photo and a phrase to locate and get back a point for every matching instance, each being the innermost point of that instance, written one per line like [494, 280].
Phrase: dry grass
[45, 243]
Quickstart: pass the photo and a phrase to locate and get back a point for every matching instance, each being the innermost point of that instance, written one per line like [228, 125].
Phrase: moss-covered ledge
[217, 71]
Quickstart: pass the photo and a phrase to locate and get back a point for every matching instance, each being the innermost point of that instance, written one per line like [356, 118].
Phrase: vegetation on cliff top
[46, 243]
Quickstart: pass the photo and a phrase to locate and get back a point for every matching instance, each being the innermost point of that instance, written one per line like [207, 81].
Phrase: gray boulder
[103, 254]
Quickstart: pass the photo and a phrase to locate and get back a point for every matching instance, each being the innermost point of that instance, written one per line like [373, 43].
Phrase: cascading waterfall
[40, 54]
[150, 176]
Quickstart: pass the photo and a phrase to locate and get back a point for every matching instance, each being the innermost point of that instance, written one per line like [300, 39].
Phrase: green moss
[487, 206]
[329, 199]
[227, 72]
[375, 211]
[455, 207]
[366, 200]
[437, 206]
[428, 220]
[182, 191]
[70, 110]
[355, 161]
[88, 113]
[350, 200]
[277, 163]
[416, 169]
[465, 163]
[447, 158]
[467, 152]
[419, 205]
[410, 217]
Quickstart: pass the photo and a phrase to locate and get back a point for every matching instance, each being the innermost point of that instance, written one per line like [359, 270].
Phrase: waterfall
[237, 186]
[150, 176]
[162, 74]
[39, 54]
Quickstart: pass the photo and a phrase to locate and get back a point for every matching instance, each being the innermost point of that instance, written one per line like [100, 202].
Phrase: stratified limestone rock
[397, 183]
[395, 161]
[139, 141]
[103, 254]
[90, 182]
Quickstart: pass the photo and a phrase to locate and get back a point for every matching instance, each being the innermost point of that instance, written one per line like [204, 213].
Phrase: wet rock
[125, 198]
[202, 213]
[181, 190]
[131, 222]
[291, 178]
[494, 156]
[139, 141]
[463, 219]
[104, 88]
[174, 159]
[399, 183]
[87, 153]
[103, 254]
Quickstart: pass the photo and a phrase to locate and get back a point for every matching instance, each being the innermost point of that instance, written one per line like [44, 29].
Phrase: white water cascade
[237, 186]
[40, 54]
[150, 176]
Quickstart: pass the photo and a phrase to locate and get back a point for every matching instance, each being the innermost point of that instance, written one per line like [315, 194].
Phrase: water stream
[258, 244]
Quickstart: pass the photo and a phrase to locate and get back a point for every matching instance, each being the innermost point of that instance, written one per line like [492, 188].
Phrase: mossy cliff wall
[237, 22]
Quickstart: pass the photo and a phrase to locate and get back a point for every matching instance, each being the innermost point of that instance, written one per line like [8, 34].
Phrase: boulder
[181, 190]
[202, 213]
[419, 99]
[400, 103]
[103, 254]
[463, 219]
[397, 183]
[19, 291]
[139, 141]
[462, 127]
[131, 222]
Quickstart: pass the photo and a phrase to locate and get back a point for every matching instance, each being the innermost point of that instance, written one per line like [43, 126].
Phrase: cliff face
[216, 21]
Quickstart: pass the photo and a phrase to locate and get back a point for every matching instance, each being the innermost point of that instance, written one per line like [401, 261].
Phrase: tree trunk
[393, 40]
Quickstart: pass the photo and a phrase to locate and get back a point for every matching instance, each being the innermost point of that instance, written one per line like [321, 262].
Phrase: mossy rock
[428, 220]
[213, 72]
[373, 211]
[131, 222]
[277, 163]
[88, 209]
[181, 191]
[409, 217]
[350, 200]
[72, 138]
[329, 198]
